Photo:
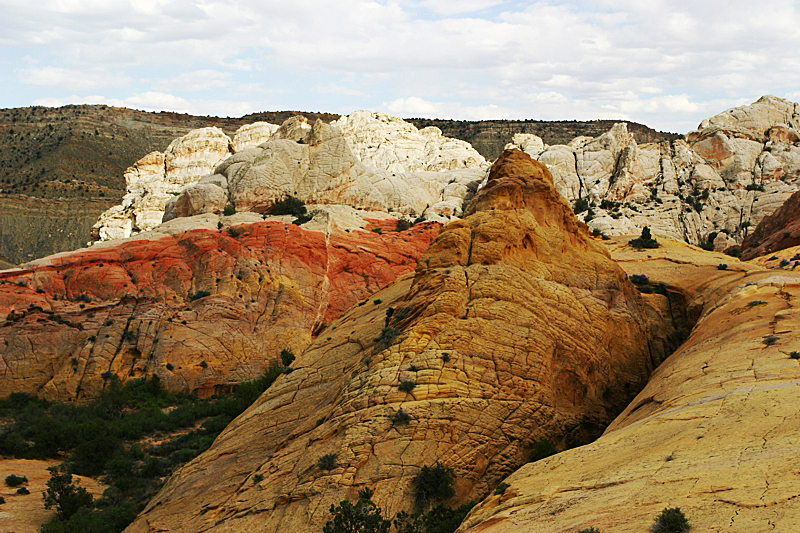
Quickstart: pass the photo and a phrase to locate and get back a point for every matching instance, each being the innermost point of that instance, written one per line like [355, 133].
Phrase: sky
[665, 64]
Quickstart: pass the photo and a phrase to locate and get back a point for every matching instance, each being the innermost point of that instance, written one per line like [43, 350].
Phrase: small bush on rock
[542, 448]
[363, 517]
[288, 206]
[287, 357]
[406, 386]
[327, 461]
[14, 480]
[400, 418]
[645, 240]
[671, 521]
[433, 483]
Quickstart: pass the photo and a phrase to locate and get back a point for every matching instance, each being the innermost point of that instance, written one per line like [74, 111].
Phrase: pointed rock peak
[518, 182]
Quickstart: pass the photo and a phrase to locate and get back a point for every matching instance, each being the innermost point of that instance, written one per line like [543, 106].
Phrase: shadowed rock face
[202, 309]
[516, 326]
[776, 232]
[714, 432]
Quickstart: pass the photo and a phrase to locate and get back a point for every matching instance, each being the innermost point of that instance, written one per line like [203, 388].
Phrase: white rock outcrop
[157, 177]
[738, 167]
[322, 169]
[374, 141]
[390, 143]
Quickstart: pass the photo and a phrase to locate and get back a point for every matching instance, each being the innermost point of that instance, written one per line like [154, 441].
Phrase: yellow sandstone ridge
[515, 326]
[714, 432]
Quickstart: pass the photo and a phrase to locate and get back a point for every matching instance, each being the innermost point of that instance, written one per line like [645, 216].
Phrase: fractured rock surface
[516, 326]
[201, 308]
[359, 167]
[737, 168]
[714, 432]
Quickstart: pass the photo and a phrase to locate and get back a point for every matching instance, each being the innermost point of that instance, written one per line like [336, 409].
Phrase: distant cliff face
[709, 188]
[490, 137]
[81, 153]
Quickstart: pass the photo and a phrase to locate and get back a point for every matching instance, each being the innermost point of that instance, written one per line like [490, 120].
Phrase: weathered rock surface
[322, 169]
[201, 308]
[739, 167]
[775, 232]
[317, 164]
[516, 326]
[713, 433]
[251, 135]
[391, 143]
[155, 178]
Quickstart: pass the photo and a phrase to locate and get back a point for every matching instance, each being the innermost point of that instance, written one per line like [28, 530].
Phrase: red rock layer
[203, 310]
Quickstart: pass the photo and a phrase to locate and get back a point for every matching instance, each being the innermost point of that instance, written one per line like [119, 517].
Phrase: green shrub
[14, 480]
[229, 210]
[363, 517]
[402, 224]
[287, 357]
[387, 337]
[501, 488]
[258, 478]
[794, 355]
[401, 417]
[734, 251]
[234, 233]
[542, 448]
[65, 496]
[645, 240]
[589, 530]
[580, 205]
[433, 483]
[671, 521]
[23, 491]
[439, 519]
[288, 205]
[722, 266]
[327, 461]
[771, 339]
[406, 386]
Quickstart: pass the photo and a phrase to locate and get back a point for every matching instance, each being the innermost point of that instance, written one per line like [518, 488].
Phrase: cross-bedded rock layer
[714, 432]
[516, 326]
[201, 308]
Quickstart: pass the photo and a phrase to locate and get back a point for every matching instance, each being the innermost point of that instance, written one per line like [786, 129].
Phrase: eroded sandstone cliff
[713, 433]
[516, 326]
[201, 307]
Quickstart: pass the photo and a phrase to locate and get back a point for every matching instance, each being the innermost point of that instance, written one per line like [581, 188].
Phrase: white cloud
[664, 62]
[198, 80]
[71, 79]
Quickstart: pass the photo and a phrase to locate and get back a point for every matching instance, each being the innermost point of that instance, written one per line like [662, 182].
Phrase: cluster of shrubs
[103, 439]
[432, 486]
